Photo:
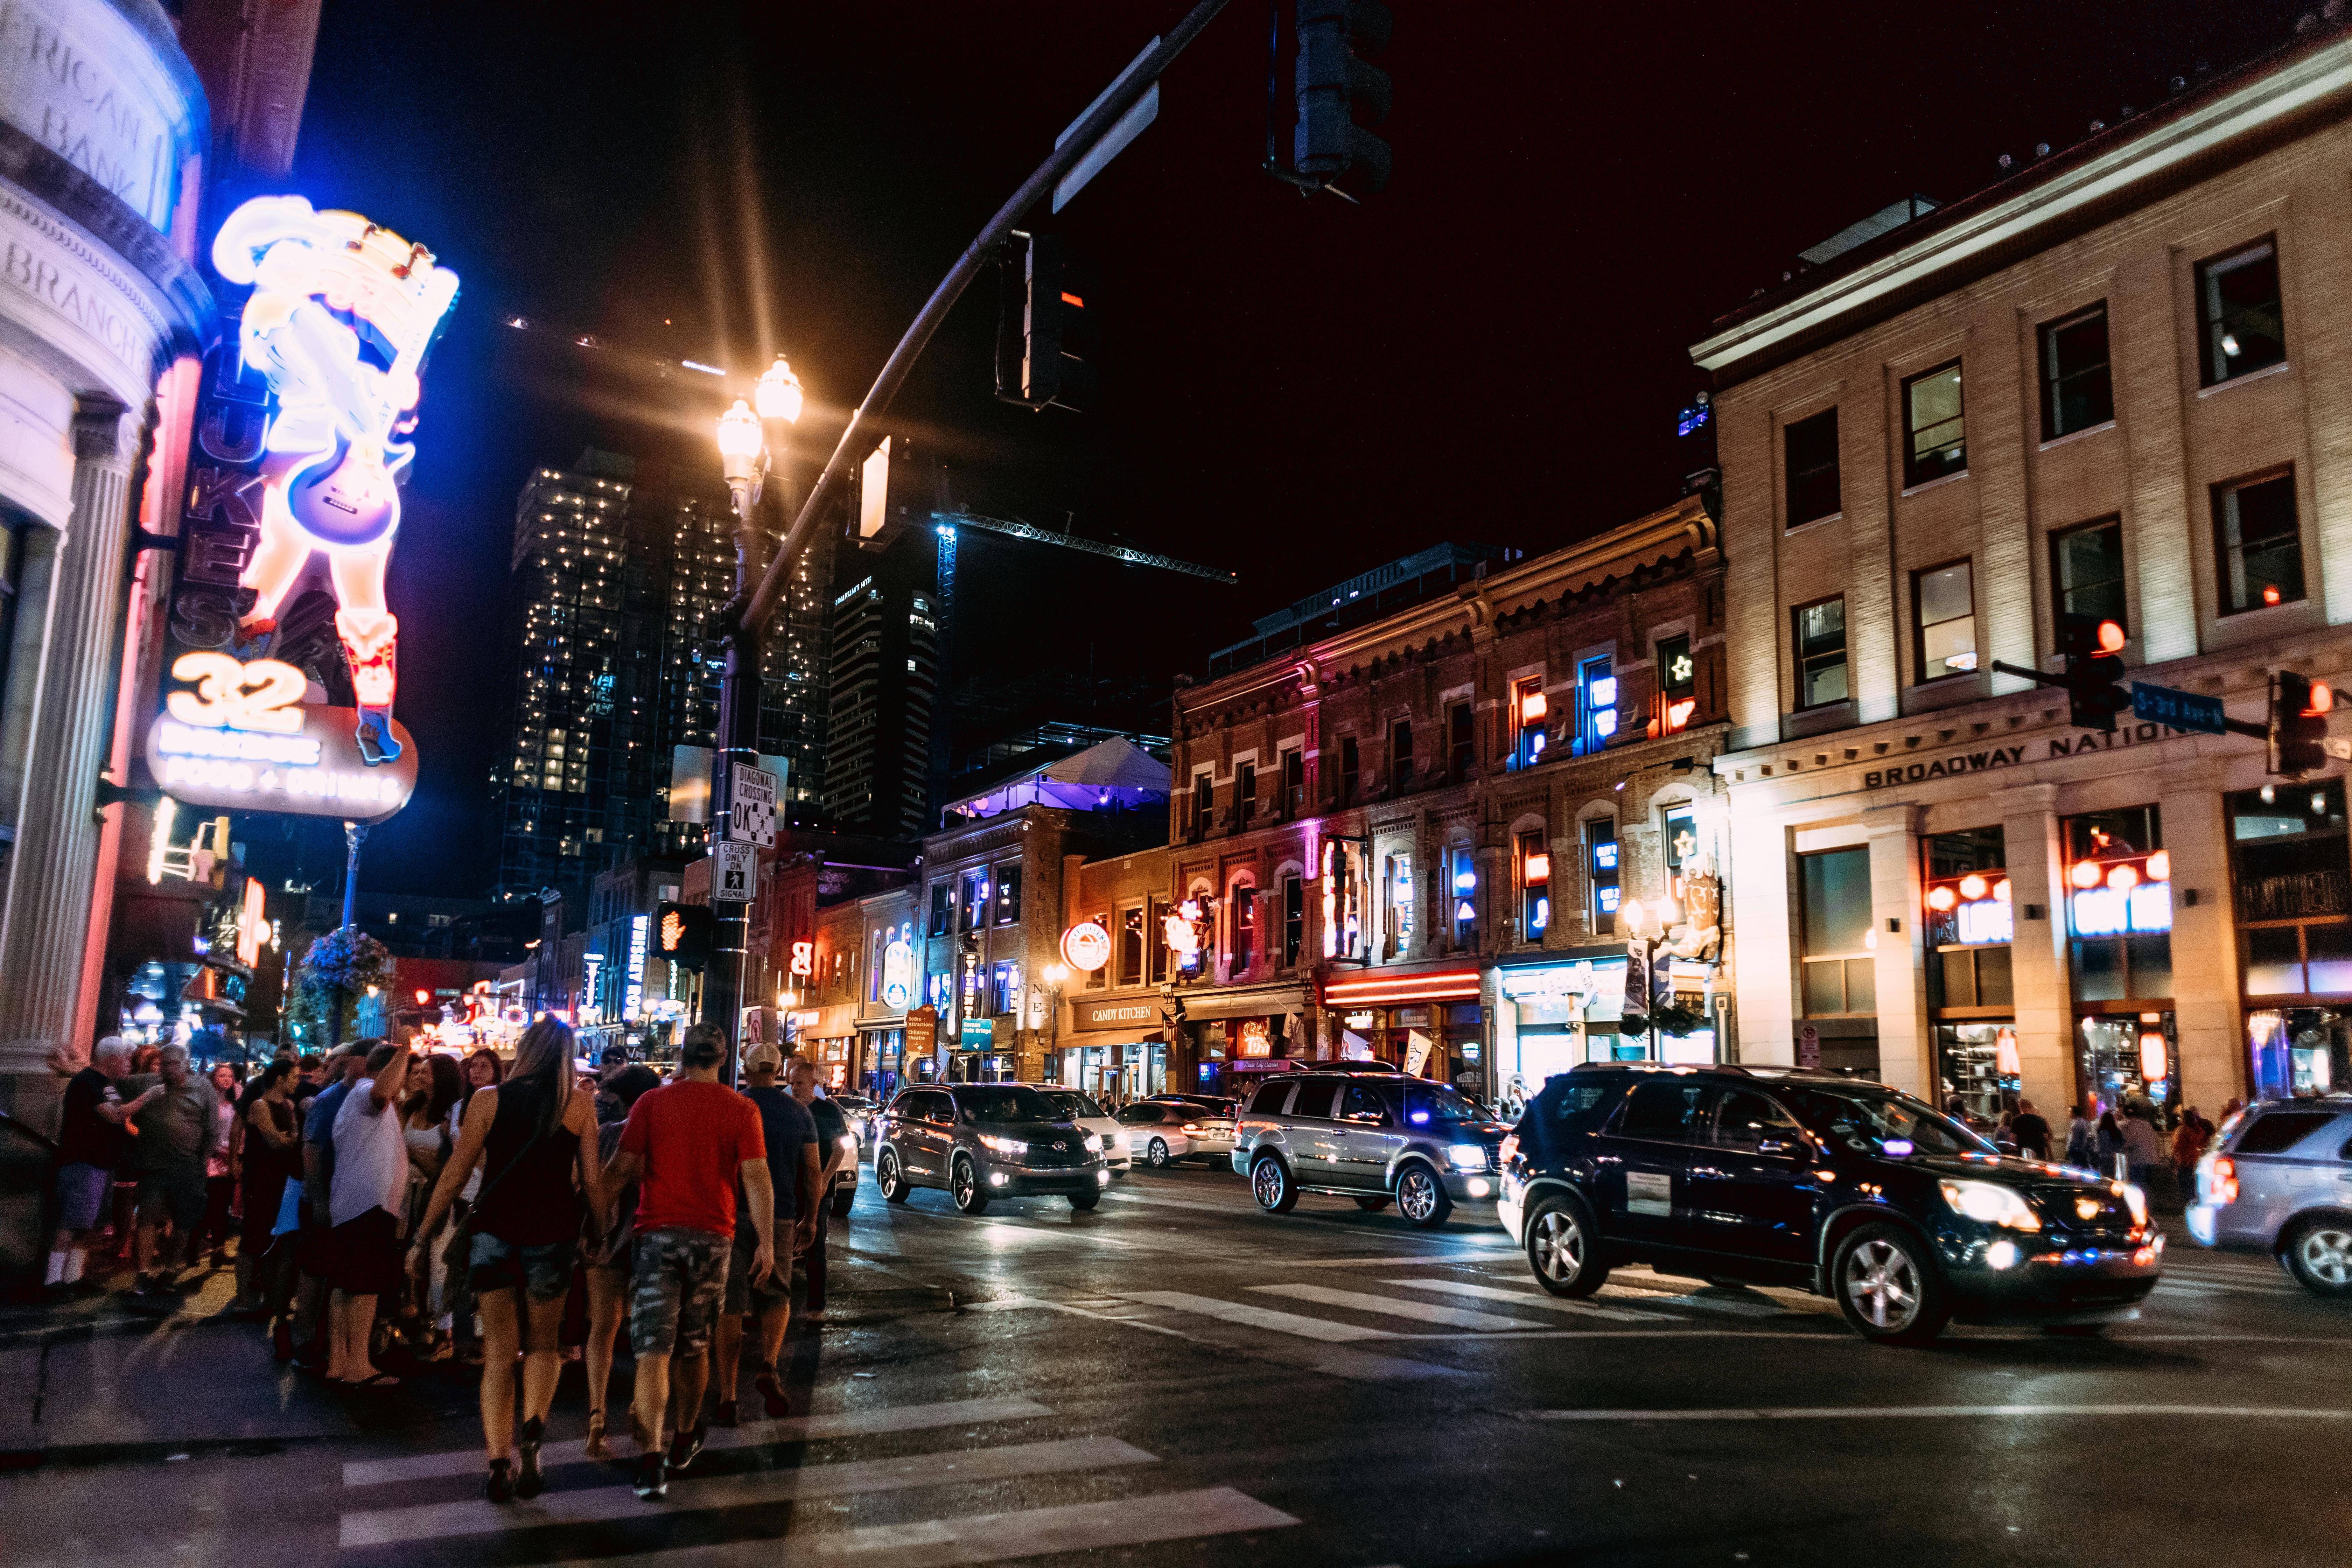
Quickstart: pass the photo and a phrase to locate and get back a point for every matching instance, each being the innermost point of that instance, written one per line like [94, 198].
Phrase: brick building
[1938, 881]
[1425, 838]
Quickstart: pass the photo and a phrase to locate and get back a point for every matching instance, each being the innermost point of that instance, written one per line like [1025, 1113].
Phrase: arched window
[1242, 921]
[1531, 871]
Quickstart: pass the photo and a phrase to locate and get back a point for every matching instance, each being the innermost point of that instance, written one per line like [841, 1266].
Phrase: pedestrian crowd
[2112, 1139]
[509, 1215]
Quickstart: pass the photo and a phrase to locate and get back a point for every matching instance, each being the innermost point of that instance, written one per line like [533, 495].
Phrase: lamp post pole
[750, 446]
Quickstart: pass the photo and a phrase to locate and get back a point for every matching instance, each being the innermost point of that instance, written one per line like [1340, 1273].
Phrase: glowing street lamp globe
[739, 442]
[778, 394]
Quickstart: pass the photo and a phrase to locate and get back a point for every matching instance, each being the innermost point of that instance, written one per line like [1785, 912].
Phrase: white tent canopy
[1116, 771]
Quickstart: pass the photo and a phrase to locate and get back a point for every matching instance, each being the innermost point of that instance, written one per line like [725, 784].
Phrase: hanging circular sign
[1085, 946]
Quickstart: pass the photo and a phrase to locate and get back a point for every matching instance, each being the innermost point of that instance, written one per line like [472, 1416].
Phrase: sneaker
[653, 1478]
[772, 1393]
[529, 1484]
[726, 1415]
[501, 1487]
[684, 1448]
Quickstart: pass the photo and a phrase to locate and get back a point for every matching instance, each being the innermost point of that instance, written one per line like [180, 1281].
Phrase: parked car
[1082, 1110]
[1163, 1131]
[844, 1195]
[1373, 1137]
[985, 1141]
[861, 1111]
[2278, 1179]
[1845, 1188]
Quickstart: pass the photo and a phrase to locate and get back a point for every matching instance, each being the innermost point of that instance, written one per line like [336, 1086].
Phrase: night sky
[1492, 350]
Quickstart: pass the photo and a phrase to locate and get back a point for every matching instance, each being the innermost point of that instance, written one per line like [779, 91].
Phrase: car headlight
[2137, 1201]
[849, 1141]
[1510, 1150]
[1118, 1142]
[996, 1145]
[1468, 1156]
[1989, 1203]
[1093, 1143]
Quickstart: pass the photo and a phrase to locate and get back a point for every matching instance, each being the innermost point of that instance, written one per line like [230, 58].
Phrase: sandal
[501, 1487]
[596, 1447]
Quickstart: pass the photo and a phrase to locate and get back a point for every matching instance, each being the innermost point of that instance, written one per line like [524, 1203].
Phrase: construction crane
[947, 523]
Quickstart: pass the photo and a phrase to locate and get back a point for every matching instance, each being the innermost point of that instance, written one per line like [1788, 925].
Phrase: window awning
[1261, 1002]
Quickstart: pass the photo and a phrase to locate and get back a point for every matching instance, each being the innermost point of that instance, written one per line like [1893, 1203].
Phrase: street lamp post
[750, 446]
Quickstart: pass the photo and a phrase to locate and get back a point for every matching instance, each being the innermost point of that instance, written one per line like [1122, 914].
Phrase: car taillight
[1191, 1127]
[1510, 1149]
[2225, 1180]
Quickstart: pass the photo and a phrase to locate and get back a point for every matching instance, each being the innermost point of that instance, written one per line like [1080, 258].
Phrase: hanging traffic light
[2299, 708]
[1045, 326]
[1333, 38]
[683, 933]
[2094, 670]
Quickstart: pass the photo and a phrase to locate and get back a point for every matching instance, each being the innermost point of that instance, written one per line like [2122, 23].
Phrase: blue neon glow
[1601, 692]
[1604, 856]
[2109, 911]
[1608, 898]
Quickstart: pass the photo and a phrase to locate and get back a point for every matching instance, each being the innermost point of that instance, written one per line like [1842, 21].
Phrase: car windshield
[1069, 1102]
[1006, 1102]
[1426, 1103]
[1881, 1123]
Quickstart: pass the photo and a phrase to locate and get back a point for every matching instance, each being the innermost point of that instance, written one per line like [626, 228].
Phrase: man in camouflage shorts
[686, 1145]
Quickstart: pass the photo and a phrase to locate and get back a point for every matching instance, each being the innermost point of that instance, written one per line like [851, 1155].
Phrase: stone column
[1906, 1048]
[2041, 982]
[2210, 1028]
[1760, 883]
[44, 922]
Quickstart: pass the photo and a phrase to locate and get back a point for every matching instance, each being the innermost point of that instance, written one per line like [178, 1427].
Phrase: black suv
[983, 1141]
[1844, 1188]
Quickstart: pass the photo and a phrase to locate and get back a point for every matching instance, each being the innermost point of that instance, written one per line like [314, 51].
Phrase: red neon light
[1070, 299]
[1453, 985]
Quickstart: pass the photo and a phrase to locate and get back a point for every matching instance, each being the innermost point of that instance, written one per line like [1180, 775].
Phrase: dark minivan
[983, 1141]
[1844, 1188]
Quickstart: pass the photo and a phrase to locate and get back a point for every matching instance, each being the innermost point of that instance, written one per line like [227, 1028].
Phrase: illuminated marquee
[898, 973]
[632, 996]
[242, 739]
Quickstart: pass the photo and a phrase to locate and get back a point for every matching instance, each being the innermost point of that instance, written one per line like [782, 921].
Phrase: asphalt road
[1176, 1378]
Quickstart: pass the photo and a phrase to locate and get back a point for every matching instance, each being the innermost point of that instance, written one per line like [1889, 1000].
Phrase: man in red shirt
[686, 1145]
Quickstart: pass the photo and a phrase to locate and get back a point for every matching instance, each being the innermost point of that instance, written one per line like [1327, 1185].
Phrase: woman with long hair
[271, 1155]
[433, 1088]
[452, 1292]
[220, 1169]
[530, 1134]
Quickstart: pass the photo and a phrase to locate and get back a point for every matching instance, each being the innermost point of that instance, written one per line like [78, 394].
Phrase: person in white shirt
[364, 1206]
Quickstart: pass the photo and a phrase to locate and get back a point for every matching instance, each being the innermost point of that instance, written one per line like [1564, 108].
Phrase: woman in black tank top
[529, 1134]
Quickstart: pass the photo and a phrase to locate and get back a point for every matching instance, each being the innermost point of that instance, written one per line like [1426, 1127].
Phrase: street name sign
[2181, 709]
[1115, 140]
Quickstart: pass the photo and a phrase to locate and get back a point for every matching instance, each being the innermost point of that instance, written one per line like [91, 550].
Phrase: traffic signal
[1045, 326]
[1333, 38]
[2299, 708]
[683, 933]
[896, 491]
[2094, 670]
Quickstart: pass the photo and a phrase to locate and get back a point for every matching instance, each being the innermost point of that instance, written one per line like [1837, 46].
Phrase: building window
[1528, 709]
[1004, 988]
[1596, 702]
[1969, 923]
[1401, 756]
[1821, 653]
[1840, 972]
[1677, 677]
[1245, 923]
[1460, 753]
[1350, 769]
[1155, 932]
[1678, 835]
[1008, 894]
[1935, 430]
[1399, 903]
[1462, 888]
[1603, 874]
[2245, 324]
[1294, 783]
[1294, 920]
[2294, 889]
[1944, 603]
[974, 894]
[942, 907]
[2259, 546]
[1205, 804]
[1535, 886]
[1245, 792]
[1130, 947]
[2119, 905]
[1810, 449]
[1098, 978]
[2087, 572]
[2077, 388]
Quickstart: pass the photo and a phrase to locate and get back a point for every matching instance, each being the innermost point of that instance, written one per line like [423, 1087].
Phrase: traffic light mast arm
[1076, 146]
[2235, 726]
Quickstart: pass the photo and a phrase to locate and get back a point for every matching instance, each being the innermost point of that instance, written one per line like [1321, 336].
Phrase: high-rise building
[619, 569]
[886, 650]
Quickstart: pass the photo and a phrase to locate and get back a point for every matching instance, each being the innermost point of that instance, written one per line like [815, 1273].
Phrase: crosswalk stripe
[1527, 1297]
[1266, 1318]
[1390, 1306]
[753, 1435]
[1742, 1309]
[991, 1537]
[591, 1505]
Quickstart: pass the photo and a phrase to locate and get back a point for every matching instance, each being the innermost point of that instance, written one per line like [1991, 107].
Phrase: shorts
[742, 1296]
[677, 1281]
[543, 1273]
[365, 1260]
[82, 1195]
[178, 1195]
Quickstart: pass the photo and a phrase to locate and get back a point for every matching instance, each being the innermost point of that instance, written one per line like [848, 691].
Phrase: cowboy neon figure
[340, 315]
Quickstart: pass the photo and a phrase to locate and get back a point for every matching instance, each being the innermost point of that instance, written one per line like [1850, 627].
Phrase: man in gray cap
[793, 1171]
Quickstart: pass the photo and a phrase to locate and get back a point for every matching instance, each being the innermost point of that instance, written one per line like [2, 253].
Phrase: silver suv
[2279, 1180]
[1372, 1137]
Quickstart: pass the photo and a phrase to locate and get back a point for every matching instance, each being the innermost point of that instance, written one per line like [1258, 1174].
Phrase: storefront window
[2119, 905]
[2287, 848]
[2125, 1056]
[2299, 1052]
[1839, 973]
[1969, 927]
[1977, 1068]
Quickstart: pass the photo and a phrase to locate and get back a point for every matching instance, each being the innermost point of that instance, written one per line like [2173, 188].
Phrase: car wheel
[1085, 1200]
[964, 1184]
[1272, 1185]
[1888, 1289]
[2319, 1254]
[1560, 1242]
[1421, 1197]
[1156, 1156]
[890, 1178]
[1372, 1204]
[841, 1201]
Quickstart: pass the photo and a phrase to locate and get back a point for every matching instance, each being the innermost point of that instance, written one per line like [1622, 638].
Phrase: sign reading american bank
[2081, 744]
